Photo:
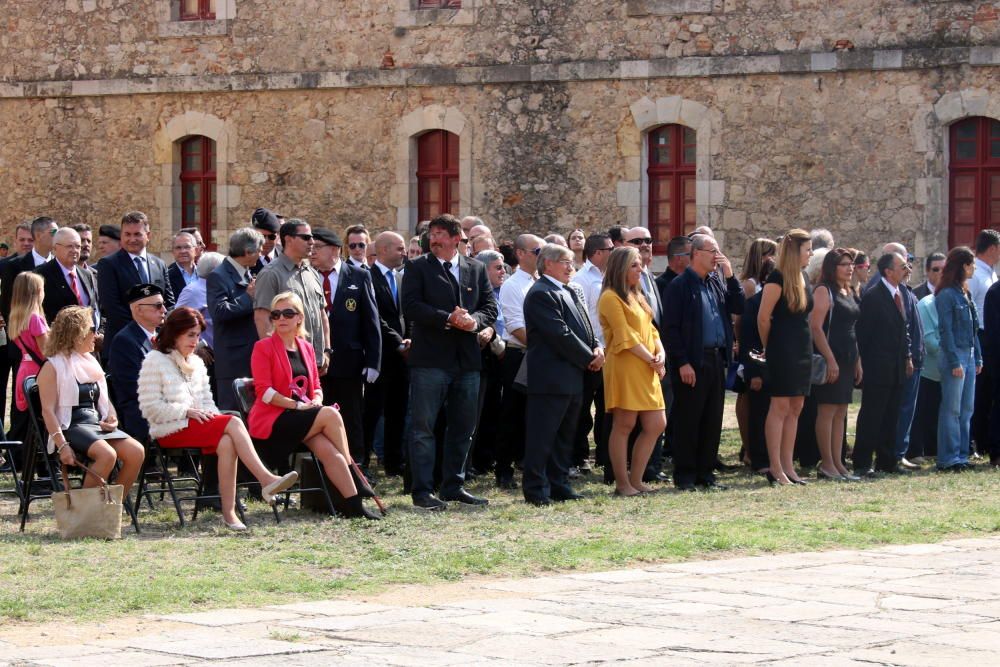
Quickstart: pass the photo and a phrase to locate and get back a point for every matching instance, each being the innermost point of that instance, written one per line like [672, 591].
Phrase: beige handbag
[93, 512]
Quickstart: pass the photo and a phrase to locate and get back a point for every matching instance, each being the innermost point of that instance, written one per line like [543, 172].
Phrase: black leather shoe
[506, 481]
[430, 503]
[713, 486]
[538, 502]
[686, 486]
[725, 467]
[466, 498]
[563, 497]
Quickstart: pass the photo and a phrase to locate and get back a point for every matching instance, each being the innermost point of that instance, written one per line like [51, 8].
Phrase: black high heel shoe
[771, 480]
[800, 482]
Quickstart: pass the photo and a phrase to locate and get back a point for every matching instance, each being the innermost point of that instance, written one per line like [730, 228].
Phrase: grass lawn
[309, 557]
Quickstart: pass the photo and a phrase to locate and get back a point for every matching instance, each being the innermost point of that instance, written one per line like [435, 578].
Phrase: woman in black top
[835, 309]
[784, 332]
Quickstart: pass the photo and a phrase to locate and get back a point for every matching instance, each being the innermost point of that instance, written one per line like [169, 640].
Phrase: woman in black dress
[835, 309]
[783, 323]
[74, 397]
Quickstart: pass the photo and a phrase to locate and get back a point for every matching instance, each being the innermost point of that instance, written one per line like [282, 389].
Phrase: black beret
[327, 236]
[111, 232]
[265, 219]
[142, 291]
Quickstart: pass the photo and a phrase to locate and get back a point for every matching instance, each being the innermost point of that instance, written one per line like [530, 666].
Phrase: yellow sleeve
[618, 335]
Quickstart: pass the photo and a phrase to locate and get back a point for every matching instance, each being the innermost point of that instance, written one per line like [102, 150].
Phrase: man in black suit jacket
[66, 284]
[678, 259]
[128, 350]
[933, 266]
[229, 290]
[129, 267]
[387, 396]
[561, 347]
[355, 340]
[184, 248]
[447, 297]
[885, 357]
[23, 243]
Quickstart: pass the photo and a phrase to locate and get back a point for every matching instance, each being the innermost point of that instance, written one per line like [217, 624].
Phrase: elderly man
[290, 272]
[481, 243]
[230, 291]
[66, 284]
[512, 293]
[885, 358]
[183, 271]
[562, 347]
[357, 243]
[130, 266]
[448, 299]
[888, 249]
[821, 238]
[483, 454]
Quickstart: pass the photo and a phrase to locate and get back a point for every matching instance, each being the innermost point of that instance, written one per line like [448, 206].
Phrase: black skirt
[287, 435]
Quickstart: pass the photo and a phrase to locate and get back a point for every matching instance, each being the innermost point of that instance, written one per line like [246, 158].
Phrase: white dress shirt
[590, 279]
[38, 259]
[979, 283]
[512, 294]
[893, 289]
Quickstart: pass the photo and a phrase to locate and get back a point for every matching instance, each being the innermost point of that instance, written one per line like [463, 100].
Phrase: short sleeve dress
[789, 345]
[629, 382]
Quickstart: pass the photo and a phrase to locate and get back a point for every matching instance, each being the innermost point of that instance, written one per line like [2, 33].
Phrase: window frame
[681, 175]
[438, 163]
[204, 178]
[982, 171]
[204, 13]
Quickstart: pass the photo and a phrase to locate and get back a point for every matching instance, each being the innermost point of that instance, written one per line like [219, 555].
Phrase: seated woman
[74, 396]
[289, 410]
[176, 400]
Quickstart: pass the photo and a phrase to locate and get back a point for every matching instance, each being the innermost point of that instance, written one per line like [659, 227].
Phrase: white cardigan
[166, 394]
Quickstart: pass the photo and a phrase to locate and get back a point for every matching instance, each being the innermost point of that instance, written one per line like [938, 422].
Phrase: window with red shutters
[437, 174]
[197, 10]
[198, 186]
[974, 179]
[439, 4]
[671, 179]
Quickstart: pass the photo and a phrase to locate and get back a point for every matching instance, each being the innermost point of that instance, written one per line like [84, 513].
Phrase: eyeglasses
[846, 264]
[536, 251]
[862, 266]
[565, 262]
[158, 306]
[681, 254]
[910, 258]
[287, 313]
[641, 241]
[270, 237]
[464, 239]
[71, 246]
[53, 231]
[184, 247]
[304, 237]
[935, 269]
[608, 249]
[362, 245]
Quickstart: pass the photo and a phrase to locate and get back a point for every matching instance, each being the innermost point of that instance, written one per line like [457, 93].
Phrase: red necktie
[899, 304]
[72, 286]
[327, 292]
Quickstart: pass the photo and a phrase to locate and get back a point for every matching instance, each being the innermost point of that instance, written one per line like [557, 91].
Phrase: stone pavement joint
[922, 604]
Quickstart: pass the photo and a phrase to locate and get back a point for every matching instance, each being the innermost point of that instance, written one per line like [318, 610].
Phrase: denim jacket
[957, 324]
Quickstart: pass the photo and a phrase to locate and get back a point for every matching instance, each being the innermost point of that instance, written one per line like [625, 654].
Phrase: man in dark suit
[885, 357]
[23, 243]
[933, 266]
[355, 340]
[230, 290]
[561, 347]
[448, 299]
[266, 222]
[109, 241]
[183, 270]
[66, 284]
[357, 246]
[127, 351]
[387, 396]
[700, 344]
[129, 267]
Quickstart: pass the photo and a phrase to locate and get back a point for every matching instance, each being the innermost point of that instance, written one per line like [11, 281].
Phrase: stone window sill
[667, 7]
[215, 28]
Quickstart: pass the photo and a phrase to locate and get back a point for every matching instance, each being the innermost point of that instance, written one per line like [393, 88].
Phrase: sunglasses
[465, 239]
[158, 306]
[641, 241]
[355, 246]
[287, 313]
[536, 251]
[304, 237]
[270, 237]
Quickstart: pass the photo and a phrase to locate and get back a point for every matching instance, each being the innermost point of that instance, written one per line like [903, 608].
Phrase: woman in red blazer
[289, 410]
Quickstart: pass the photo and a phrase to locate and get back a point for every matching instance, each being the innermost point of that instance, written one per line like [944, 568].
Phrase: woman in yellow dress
[632, 372]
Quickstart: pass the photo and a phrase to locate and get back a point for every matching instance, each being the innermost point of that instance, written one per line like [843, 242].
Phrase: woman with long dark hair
[835, 310]
[783, 324]
[960, 358]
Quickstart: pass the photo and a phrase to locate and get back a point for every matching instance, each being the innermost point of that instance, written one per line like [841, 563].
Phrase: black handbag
[819, 367]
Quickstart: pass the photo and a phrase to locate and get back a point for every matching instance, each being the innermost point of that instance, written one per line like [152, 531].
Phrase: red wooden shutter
[973, 179]
[671, 176]
[437, 174]
[198, 198]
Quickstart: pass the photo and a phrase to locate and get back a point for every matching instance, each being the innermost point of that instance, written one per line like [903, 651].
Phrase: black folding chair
[38, 460]
[245, 393]
[10, 450]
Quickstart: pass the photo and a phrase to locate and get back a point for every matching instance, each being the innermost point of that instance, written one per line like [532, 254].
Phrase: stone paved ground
[936, 604]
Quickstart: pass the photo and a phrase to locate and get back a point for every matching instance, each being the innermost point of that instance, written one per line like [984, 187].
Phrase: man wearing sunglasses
[933, 266]
[291, 272]
[266, 222]
[357, 246]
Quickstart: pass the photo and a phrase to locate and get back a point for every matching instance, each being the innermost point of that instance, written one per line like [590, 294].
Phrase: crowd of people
[449, 355]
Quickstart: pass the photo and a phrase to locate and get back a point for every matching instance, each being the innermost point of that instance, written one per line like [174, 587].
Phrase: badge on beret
[351, 305]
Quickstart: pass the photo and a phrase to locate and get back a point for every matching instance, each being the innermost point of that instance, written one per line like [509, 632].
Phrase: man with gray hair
[511, 448]
[230, 291]
[484, 442]
[821, 238]
[66, 284]
[561, 347]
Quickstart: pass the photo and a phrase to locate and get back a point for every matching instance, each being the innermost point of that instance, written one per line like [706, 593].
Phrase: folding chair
[7, 453]
[38, 436]
[245, 393]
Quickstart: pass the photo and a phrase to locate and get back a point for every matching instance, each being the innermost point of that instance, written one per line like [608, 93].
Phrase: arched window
[974, 188]
[198, 186]
[197, 10]
[437, 174]
[671, 175]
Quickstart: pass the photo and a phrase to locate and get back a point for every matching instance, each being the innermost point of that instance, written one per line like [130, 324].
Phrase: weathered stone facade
[807, 112]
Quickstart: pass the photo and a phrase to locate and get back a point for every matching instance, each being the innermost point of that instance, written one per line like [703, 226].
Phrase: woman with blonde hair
[634, 366]
[783, 324]
[28, 329]
[74, 396]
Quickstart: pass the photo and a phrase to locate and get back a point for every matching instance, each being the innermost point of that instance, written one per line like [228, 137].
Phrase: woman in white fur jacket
[176, 400]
